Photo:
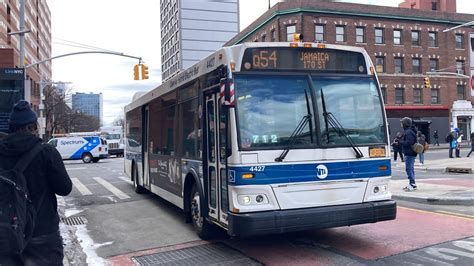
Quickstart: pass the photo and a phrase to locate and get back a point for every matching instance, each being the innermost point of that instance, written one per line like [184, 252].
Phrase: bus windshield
[355, 103]
[270, 107]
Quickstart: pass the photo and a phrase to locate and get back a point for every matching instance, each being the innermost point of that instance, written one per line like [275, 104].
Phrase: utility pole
[22, 34]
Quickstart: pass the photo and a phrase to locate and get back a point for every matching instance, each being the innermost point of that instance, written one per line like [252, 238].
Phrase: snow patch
[89, 247]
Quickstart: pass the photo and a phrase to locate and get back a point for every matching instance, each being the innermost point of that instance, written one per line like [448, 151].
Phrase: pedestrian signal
[427, 83]
[144, 72]
[136, 74]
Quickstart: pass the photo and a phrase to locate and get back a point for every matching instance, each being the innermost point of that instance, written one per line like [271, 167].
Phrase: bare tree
[119, 121]
[84, 123]
[56, 111]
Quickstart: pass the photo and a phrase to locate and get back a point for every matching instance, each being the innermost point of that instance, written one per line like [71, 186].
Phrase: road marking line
[125, 179]
[457, 214]
[436, 213]
[82, 189]
[76, 168]
[117, 192]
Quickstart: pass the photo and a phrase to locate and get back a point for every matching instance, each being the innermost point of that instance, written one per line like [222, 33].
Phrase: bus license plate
[377, 152]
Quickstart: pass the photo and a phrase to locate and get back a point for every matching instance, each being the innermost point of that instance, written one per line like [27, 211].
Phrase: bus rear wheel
[87, 157]
[203, 229]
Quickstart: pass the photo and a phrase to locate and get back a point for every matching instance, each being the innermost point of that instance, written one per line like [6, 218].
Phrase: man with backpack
[31, 175]
[407, 141]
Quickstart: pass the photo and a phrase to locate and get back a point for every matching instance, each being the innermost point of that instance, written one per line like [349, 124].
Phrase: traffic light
[144, 72]
[427, 83]
[297, 37]
[136, 74]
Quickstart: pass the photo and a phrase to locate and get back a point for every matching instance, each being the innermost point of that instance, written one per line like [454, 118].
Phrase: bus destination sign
[303, 59]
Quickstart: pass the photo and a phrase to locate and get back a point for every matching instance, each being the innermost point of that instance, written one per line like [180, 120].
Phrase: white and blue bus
[264, 138]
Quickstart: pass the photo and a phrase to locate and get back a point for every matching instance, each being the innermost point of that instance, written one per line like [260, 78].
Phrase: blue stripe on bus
[292, 173]
[91, 143]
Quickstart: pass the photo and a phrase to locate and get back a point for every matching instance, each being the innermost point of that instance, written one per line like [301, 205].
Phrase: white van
[85, 148]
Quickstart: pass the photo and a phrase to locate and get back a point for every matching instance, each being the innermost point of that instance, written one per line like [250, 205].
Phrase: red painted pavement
[411, 230]
[449, 182]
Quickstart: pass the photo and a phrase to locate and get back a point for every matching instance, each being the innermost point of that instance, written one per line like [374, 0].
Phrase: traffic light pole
[84, 52]
[43, 84]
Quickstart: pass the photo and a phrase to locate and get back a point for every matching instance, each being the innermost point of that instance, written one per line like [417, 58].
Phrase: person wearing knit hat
[45, 177]
[22, 118]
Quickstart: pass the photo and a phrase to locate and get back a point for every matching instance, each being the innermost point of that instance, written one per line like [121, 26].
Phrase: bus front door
[216, 159]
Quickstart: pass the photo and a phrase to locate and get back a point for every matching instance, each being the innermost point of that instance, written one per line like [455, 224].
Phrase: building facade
[37, 43]
[89, 104]
[435, 5]
[193, 29]
[404, 44]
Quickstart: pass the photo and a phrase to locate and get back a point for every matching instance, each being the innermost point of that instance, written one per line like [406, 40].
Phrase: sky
[131, 28]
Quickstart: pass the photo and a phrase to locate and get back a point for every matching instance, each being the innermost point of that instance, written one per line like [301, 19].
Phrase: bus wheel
[87, 157]
[138, 189]
[202, 227]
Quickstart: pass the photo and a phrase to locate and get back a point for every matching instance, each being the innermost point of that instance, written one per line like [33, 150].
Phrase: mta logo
[322, 171]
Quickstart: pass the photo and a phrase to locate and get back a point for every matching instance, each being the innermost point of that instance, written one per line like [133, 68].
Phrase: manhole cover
[208, 254]
[74, 220]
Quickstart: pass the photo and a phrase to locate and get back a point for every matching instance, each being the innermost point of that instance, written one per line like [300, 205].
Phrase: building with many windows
[193, 29]
[37, 43]
[404, 44]
[89, 104]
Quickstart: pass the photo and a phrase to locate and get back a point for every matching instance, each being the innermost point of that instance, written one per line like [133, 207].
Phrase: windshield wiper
[329, 118]
[299, 128]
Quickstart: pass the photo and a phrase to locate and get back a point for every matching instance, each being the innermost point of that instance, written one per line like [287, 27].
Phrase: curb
[437, 200]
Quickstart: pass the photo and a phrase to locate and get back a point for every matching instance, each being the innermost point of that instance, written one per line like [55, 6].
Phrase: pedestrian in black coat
[397, 147]
[407, 140]
[46, 177]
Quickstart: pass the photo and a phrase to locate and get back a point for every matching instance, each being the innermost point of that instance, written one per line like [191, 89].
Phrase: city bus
[265, 138]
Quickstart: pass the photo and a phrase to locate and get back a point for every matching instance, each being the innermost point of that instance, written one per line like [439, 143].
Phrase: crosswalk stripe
[126, 179]
[117, 192]
[82, 189]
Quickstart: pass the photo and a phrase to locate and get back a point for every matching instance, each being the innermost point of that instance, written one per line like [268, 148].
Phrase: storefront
[462, 117]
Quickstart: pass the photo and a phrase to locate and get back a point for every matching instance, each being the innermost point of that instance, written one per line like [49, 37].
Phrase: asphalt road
[120, 223]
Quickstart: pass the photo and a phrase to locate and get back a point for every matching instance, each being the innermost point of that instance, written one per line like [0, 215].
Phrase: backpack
[17, 211]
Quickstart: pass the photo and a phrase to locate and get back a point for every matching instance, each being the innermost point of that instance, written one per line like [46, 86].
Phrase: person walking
[420, 138]
[472, 144]
[451, 140]
[407, 140]
[436, 137]
[397, 147]
[458, 145]
[46, 177]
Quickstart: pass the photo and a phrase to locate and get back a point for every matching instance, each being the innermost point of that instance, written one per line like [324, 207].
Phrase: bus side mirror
[227, 92]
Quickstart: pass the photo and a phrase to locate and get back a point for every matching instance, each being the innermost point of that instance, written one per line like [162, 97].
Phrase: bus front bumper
[273, 222]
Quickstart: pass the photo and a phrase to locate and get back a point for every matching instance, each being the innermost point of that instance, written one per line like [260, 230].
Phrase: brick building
[37, 43]
[403, 44]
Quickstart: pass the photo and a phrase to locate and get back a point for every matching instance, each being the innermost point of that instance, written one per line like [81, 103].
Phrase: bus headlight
[256, 199]
[382, 189]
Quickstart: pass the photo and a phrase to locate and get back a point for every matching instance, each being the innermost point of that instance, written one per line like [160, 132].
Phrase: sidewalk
[445, 191]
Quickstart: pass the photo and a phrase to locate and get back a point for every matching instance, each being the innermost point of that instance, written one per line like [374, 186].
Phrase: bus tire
[87, 157]
[203, 229]
[138, 189]
[95, 160]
